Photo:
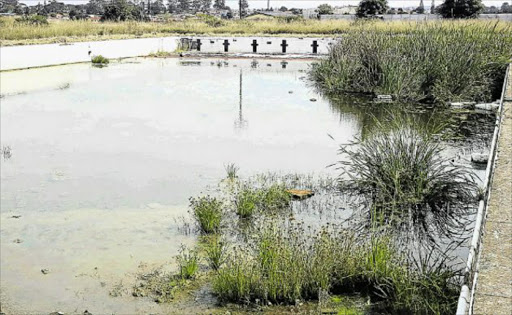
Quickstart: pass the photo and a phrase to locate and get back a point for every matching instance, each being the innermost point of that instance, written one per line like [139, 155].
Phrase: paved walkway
[493, 294]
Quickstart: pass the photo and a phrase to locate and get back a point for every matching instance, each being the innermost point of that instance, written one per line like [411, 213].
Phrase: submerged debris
[383, 99]
[300, 193]
[462, 104]
[480, 158]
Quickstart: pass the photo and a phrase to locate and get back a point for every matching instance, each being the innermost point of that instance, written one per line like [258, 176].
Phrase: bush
[211, 21]
[208, 213]
[36, 20]
[99, 60]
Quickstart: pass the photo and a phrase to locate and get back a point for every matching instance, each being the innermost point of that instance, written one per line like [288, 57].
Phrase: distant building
[349, 9]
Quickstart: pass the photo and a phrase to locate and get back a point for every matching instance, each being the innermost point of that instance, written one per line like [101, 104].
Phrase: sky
[257, 4]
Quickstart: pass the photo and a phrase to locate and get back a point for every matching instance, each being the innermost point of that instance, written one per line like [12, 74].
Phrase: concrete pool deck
[493, 294]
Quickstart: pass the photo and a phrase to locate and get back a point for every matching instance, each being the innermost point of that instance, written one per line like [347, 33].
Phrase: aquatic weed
[208, 213]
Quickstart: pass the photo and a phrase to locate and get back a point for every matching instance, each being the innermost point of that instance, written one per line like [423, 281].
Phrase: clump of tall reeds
[270, 199]
[405, 184]
[283, 266]
[231, 171]
[429, 62]
[207, 211]
[215, 251]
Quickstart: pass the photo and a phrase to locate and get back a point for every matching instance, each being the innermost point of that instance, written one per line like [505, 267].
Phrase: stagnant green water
[99, 164]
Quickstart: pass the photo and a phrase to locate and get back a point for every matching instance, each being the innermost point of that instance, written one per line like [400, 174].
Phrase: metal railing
[466, 297]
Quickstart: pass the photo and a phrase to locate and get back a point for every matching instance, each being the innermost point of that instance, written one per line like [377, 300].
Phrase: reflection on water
[106, 159]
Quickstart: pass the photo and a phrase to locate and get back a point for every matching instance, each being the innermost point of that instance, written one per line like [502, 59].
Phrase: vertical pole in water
[198, 44]
[315, 46]
[226, 45]
[284, 45]
[254, 45]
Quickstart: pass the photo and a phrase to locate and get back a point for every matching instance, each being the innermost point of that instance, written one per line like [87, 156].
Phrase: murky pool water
[101, 162]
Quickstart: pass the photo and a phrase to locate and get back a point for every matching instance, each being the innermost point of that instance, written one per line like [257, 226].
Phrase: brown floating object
[300, 194]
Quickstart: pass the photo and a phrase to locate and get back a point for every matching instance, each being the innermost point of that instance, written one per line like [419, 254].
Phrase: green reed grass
[245, 203]
[402, 182]
[431, 62]
[271, 198]
[99, 60]
[188, 263]
[232, 171]
[208, 213]
[215, 252]
[283, 267]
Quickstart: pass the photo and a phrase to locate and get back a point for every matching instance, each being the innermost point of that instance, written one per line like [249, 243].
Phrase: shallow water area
[98, 165]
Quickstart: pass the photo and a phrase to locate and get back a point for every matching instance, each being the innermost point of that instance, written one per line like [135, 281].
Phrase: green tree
[172, 6]
[460, 9]
[157, 7]
[95, 7]
[420, 9]
[370, 8]
[243, 6]
[219, 4]
[506, 8]
[325, 9]
[184, 6]
[120, 10]
[283, 9]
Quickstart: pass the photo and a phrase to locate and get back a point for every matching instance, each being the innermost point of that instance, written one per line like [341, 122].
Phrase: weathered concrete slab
[494, 285]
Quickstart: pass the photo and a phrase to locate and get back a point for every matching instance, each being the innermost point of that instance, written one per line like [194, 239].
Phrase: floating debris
[383, 98]
[312, 99]
[480, 158]
[45, 271]
[462, 104]
[300, 193]
[487, 106]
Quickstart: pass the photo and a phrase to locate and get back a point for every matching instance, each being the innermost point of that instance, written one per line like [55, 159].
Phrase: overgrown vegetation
[269, 199]
[31, 20]
[82, 30]
[430, 62]
[286, 266]
[403, 183]
[99, 60]
[208, 213]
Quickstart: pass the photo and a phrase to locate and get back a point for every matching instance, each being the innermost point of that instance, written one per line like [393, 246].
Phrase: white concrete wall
[20, 57]
[29, 56]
